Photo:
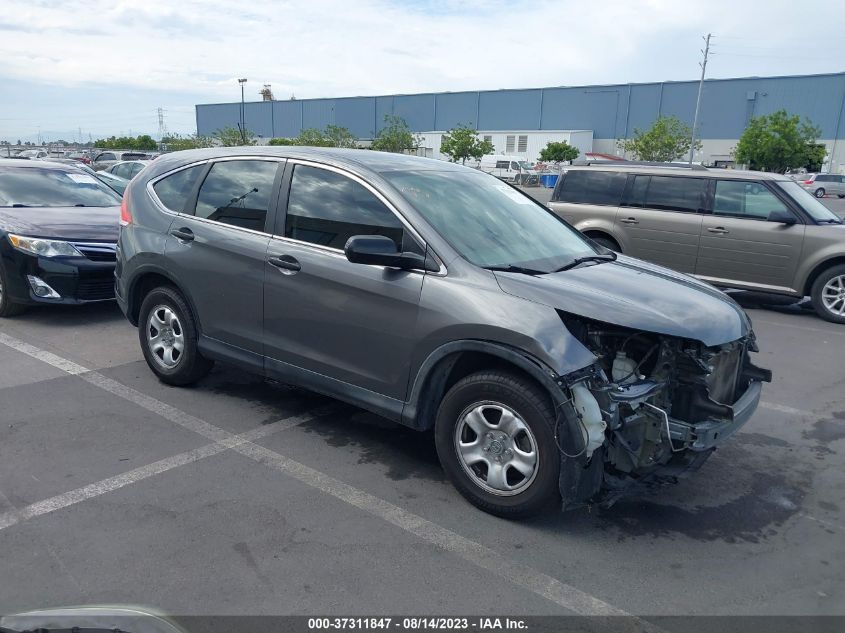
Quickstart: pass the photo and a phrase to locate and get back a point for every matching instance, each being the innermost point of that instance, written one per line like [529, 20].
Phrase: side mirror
[380, 250]
[782, 216]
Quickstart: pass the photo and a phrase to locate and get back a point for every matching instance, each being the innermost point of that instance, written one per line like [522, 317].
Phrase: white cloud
[352, 47]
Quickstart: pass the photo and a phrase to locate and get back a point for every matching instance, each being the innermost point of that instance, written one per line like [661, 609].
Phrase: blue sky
[104, 67]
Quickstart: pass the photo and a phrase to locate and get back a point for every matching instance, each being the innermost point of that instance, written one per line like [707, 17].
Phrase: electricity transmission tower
[162, 127]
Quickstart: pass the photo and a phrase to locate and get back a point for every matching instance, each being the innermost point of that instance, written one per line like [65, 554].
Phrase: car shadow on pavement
[86, 314]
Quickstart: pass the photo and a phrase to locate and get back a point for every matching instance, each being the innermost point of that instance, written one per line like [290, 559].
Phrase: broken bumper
[707, 434]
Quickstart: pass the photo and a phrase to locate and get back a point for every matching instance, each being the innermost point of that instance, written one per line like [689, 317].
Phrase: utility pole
[703, 65]
[243, 123]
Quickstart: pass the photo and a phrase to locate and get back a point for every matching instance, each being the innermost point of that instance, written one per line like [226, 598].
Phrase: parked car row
[549, 363]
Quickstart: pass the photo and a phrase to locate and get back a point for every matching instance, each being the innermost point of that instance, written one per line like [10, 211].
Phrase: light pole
[242, 123]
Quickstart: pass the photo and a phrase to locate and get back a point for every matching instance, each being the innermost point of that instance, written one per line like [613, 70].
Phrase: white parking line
[774, 406]
[96, 489]
[533, 580]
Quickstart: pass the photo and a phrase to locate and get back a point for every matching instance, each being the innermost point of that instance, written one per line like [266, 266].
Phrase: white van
[510, 168]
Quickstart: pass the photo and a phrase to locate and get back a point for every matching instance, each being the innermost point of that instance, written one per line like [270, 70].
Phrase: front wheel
[819, 193]
[8, 307]
[495, 439]
[168, 335]
[828, 294]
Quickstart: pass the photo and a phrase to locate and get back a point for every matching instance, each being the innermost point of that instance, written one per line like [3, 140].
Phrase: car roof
[652, 170]
[11, 162]
[351, 158]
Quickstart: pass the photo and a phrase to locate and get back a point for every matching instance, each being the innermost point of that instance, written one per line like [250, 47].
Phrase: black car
[58, 231]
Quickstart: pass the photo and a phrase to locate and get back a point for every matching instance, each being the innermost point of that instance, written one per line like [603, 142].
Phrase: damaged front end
[652, 408]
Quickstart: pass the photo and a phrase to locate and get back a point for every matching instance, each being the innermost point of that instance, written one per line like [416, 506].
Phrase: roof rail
[641, 163]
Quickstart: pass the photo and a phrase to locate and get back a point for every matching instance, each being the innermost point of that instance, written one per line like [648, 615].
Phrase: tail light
[125, 214]
[808, 182]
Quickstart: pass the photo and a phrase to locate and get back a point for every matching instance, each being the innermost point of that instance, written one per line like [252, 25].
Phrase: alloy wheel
[496, 448]
[165, 336]
[833, 295]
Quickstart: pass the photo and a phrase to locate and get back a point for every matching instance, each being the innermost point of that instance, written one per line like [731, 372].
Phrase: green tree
[462, 142]
[667, 140]
[779, 141]
[177, 142]
[340, 137]
[312, 137]
[141, 142]
[282, 141]
[558, 152]
[231, 137]
[395, 136]
[332, 136]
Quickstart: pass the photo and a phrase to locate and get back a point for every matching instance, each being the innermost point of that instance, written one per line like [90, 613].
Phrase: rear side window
[238, 192]
[501, 164]
[328, 208]
[668, 193]
[592, 187]
[174, 190]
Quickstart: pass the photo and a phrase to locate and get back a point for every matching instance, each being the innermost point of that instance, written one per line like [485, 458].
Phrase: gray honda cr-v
[438, 297]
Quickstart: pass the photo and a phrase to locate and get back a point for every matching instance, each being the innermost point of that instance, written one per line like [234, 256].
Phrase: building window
[488, 138]
[523, 143]
[510, 143]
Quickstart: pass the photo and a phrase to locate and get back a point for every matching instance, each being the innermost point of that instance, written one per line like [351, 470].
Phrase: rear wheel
[168, 335]
[819, 193]
[828, 294]
[8, 307]
[495, 439]
[841, 195]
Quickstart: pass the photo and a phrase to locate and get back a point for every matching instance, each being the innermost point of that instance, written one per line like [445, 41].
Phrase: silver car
[735, 229]
[821, 185]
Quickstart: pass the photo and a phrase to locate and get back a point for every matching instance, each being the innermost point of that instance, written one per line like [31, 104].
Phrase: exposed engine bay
[652, 408]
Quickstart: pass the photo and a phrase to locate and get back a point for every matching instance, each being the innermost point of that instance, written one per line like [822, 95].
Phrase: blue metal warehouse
[612, 112]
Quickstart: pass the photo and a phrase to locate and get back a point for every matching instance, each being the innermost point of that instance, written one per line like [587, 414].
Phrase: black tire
[190, 365]
[818, 288]
[819, 193]
[840, 195]
[8, 308]
[535, 411]
[607, 243]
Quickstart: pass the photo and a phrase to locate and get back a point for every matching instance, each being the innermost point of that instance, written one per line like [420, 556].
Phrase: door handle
[184, 234]
[721, 230]
[285, 263]
[630, 221]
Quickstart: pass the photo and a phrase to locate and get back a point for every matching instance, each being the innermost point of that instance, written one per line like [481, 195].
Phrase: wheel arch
[143, 282]
[449, 363]
[818, 269]
[594, 233]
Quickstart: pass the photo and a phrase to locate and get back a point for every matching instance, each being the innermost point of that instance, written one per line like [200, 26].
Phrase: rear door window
[238, 192]
[592, 187]
[173, 191]
[741, 199]
[668, 193]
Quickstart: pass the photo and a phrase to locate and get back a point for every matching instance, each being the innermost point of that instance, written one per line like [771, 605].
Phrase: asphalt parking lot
[241, 496]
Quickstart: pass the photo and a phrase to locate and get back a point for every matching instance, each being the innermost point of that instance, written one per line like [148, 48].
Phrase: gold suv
[735, 229]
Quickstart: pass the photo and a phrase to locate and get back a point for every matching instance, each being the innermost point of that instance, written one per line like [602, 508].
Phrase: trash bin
[548, 180]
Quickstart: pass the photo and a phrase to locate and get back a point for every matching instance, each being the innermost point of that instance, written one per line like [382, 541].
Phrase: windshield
[37, 187]
[806, 201]
[526, 165]
[488, 222]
